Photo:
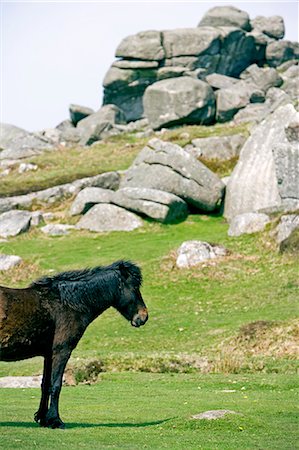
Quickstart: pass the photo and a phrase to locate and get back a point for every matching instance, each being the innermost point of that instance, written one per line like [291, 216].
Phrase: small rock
[9, 261]
[26, 167]
[213, 414]
[5, 172]
[292, 130]
[191, 253]
[36, 218]
[56, 229]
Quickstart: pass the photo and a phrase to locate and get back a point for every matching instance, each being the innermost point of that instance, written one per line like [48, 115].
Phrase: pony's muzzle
[140, 318]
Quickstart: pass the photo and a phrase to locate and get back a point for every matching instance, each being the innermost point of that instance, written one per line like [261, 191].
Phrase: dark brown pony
[50, 316]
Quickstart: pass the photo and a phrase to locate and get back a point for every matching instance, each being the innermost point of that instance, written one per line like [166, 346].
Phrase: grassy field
[223, 335]
[154, 411]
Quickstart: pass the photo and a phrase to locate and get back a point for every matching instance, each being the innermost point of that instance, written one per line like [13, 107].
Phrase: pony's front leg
[40, 414]
[59, 360]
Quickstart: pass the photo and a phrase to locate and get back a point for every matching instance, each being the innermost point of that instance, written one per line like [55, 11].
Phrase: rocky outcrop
[278, 52]
[272, 26]
[254, 184]
[104, 217]
[167, 167]
[179, 100]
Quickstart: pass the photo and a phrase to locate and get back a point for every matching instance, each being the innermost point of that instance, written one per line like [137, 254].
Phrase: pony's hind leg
[40, 415]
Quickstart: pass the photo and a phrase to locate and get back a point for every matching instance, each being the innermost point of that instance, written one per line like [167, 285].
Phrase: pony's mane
[125, 268]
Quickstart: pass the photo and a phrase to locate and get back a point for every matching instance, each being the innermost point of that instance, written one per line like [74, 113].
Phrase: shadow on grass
[88, 425]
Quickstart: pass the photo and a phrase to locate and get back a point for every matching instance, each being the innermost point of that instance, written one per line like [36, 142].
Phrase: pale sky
[54, 53]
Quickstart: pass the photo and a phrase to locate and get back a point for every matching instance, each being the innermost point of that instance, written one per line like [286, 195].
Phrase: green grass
[154, 411]
[117, 153]
[192, 312]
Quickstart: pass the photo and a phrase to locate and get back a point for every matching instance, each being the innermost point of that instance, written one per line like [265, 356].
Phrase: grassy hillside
[223, 335]
[117, 153]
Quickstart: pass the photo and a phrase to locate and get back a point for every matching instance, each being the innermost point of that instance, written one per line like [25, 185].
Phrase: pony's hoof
[52, 422]
[40, 417]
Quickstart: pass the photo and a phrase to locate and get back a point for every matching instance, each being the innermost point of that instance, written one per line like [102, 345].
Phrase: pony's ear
[123, 270]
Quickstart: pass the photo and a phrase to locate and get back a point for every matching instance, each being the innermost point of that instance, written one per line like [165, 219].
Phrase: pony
[49, 317]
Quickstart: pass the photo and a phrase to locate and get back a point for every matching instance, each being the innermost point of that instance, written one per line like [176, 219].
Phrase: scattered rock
[248, 223]
[88, 197]
[57, 229]
[214, 414]
[104, 217]
[14, 222]
[9, 261]
[167, 167]
[179, 100]
[157, 205]
[191, 253]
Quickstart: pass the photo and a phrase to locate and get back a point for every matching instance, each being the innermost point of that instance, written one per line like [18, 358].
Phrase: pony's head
[130, 302]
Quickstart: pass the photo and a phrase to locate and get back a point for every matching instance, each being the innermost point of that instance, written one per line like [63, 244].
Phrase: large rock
[219, 81]
[158, 205]
[104, 217]
[254, 184]
[272, 26]
[278, 52]
[78, 112]
[146, 45]
[93, 127]
[226, 16]
[7, 262]
[10, 132]
[26, 145]
[218, 147]
[89, 197]
[191, 41]
[179, 100]
[248, 223]
[125, 89]
[191, 253]
[14, 222]
[167, 167]
[238, 51]
[290, 81]
[232, 99]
